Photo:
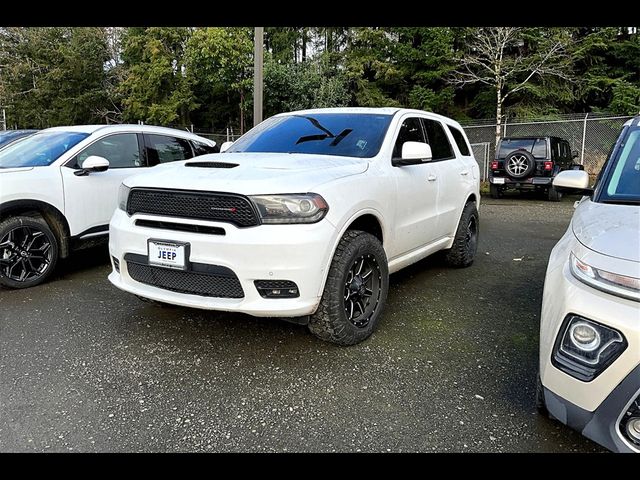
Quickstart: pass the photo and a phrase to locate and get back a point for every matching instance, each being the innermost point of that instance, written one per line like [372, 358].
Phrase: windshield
[39, 150]
[346, 134]
[9, 136]
[623, 183]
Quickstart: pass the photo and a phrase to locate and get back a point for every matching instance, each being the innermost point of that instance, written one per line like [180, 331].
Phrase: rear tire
[465, 244]
[28, 251]
[495, 191]
[355, 291]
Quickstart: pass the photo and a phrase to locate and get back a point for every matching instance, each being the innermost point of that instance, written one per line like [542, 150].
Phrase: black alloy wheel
[28, 252]
[362, 290]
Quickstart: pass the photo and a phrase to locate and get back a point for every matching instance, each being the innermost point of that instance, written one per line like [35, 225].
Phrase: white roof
[370, 110]
[382, 110]
[127, 128]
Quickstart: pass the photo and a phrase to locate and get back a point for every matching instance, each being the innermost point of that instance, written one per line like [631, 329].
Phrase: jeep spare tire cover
[519, 164]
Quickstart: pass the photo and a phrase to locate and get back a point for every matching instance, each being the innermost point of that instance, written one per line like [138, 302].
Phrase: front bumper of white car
[265, 271]
[598, 400]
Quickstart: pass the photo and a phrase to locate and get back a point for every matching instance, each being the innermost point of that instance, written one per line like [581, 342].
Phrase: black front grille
[222, 284]
[180, 227]
[220, 207]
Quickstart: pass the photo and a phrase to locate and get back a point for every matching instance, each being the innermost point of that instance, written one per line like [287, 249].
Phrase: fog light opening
[633, 429]
[584, 336]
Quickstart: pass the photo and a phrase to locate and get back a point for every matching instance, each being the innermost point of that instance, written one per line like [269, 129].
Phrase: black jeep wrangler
[530, 163]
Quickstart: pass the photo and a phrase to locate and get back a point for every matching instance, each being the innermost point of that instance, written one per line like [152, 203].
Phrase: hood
[250, 173]
[15, 169]
[609, 229]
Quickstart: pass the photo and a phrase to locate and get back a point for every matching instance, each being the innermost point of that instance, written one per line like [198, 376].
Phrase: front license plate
[167, 254]
[498, 180]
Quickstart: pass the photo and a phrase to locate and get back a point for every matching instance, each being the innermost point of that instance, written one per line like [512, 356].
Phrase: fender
[51, 214]
[345, 225]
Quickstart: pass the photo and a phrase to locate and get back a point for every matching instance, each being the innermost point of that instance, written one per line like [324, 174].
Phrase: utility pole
[258, 74]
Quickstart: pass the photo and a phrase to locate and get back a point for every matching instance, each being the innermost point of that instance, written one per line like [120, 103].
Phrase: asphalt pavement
[86, 367]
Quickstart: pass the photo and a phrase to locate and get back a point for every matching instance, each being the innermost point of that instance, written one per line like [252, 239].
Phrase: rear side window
[460, 141]
[437, 140]
[200, 148]
[540, 148]
[163, 149]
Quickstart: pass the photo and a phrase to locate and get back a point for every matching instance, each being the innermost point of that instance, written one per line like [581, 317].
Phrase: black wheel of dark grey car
[465, 243]
[355, 291]
[519, 164]
[28, 251]
[495, 191]
[554, 195]
[541, 405]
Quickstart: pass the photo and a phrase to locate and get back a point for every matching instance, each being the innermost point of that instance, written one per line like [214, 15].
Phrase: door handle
[464, 172]
[432, 178]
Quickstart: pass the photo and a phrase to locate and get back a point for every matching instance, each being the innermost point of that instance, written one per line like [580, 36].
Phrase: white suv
[304, 216]
[59, 188]
[590, 322]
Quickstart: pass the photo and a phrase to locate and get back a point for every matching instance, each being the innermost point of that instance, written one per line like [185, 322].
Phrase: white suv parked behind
[304, 216]
[59, 188]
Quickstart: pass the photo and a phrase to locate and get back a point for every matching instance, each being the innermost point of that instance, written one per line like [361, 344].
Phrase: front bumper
[603, 424]
[298, 253]
[593, 408]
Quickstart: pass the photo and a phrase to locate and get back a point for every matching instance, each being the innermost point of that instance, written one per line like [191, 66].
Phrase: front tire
[465, 244]
[28, 251]
[355, 291]
[541, 404]
[554, 195]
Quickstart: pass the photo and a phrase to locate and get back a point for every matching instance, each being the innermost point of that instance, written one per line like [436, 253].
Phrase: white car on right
[589, 375]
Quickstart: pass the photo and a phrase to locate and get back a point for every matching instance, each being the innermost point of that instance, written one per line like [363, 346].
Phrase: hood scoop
[211, 164]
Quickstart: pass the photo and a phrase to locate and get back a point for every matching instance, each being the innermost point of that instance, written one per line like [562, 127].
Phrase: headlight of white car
[123, 196]
[291, 208]
[620, 285]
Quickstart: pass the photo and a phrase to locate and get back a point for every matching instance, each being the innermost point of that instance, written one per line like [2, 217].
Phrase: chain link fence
[481, 153]
[591, 135]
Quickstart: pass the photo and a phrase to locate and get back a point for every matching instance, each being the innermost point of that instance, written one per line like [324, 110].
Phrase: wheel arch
[368, 220]
[54, 218]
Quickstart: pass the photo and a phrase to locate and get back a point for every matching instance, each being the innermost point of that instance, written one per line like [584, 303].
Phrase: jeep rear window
[537, 147]
[346, 134]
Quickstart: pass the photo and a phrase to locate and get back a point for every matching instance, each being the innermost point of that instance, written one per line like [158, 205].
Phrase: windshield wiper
[341, 136]
[336, 138]
[318, 125]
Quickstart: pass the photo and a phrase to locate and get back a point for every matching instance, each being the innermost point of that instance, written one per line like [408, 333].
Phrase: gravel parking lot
[86, 367]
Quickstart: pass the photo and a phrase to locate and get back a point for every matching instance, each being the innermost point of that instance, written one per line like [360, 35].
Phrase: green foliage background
[203, 76]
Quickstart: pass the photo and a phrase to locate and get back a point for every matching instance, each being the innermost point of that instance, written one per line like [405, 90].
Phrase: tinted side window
[410, 131]
[460, 141]
[540, 148]
[437, 139]
[163, 149]
[200, 148]
[121, 150]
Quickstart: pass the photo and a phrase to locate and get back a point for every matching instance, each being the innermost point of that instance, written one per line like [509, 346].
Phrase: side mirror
[93, 164]
[225, 146]
[574, 154]
[413, 153]
[574, 182]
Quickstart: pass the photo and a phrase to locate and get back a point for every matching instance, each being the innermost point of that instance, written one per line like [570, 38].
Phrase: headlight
[584, 348]
[291, 208]
[620, 285]
[123, 196]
